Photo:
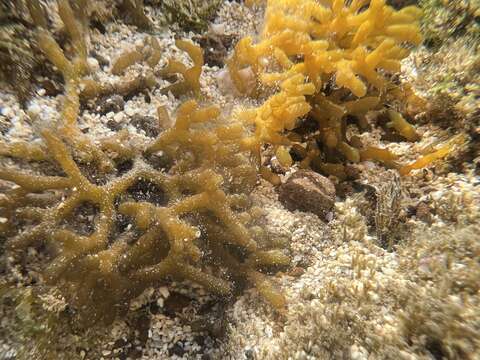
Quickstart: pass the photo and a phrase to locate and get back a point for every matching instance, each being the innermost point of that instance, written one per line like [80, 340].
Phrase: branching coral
[128, 84]
[101, 270]
[328, 60]
[347, 41]
[191, 216]
[439, 153]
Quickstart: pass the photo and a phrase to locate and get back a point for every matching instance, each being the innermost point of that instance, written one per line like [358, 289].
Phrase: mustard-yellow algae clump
[180, 209]
[128, 58]
[23, 150]
[200, 207]
[127, 84]
[438, 154]
[191, 75]
[398, 122]
[327, 60]
[150, 53]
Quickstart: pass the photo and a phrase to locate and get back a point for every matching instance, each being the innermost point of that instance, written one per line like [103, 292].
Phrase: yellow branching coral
[190, 81]
[137, 220]
[328, 60]
[23, 150]
[199, 206]
[333, 38]
[128, 58]
[128, 84]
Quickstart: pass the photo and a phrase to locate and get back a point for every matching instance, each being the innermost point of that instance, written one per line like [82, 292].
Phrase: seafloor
[349, 295]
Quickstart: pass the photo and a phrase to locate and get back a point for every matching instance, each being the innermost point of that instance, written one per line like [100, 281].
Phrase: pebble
[306, 190]
[129, 111]
[164, 291]
[7, 111]
[218, 29]
[114, 103]
[34, 110]
[147, 124]
[93, 64]
[119, 117]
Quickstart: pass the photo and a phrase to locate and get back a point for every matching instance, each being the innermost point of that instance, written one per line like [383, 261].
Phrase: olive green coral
[191, 75]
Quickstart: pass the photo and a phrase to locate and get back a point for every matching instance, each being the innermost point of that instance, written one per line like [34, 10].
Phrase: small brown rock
[51, 88]
[297, 271]
[216, 47]
[114, 103]
[149, 124]
[352, 172]
[113, 125]
[423, 213]
[306, 190]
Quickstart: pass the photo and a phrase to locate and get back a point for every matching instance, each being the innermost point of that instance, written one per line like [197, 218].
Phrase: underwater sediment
[247, 180]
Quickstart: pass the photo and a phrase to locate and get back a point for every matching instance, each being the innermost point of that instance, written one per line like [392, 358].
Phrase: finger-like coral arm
[438, 154]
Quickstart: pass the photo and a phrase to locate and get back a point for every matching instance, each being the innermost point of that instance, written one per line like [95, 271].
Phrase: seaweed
[190, 81]
[190, 15]
[328, 62]
[112, 235]
[99, 272]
